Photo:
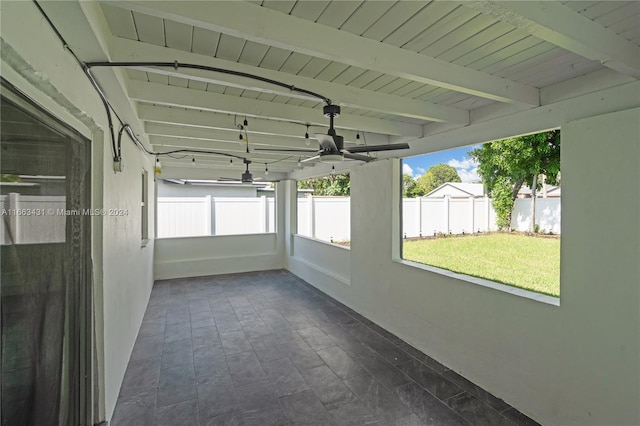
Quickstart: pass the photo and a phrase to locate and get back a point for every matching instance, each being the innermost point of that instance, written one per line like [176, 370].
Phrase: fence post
[213, 216]
[487, 204]
[312, 217]
[14, 219]
[446, 214]
[265, 214]
[419, 200]
[208, 216]
[473, 213]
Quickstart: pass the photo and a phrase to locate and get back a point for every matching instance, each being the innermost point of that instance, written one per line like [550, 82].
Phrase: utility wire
[116, 147]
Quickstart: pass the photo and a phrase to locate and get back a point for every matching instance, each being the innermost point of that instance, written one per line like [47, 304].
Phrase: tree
[507, 164]
[436, 176]
[410, 188]
[334, 185]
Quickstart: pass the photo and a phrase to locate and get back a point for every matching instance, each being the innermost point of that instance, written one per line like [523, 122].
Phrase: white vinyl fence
[199, 216]
[32, 219]
[328, 218]
[325, 218]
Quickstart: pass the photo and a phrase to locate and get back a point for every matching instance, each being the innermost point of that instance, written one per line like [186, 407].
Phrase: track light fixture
[245, 122]
[266, 169]
[306, 137]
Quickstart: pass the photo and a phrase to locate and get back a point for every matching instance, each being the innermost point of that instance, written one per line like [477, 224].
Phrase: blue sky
[456, 158]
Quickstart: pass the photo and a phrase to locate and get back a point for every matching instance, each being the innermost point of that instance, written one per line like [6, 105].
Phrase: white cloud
[407, 170]
[469, 175]
[467, 169]
[420, 170]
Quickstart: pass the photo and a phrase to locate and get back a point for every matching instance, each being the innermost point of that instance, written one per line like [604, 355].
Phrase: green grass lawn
[521, 261]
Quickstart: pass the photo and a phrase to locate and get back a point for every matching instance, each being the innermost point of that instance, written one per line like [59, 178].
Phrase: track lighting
[266, 170]
[306, 136]
[245, 122]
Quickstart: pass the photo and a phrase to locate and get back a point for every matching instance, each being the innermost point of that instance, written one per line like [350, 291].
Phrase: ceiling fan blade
[315, 157]
[359, 157]
[326, 142]
[285, 150]
[376, 148]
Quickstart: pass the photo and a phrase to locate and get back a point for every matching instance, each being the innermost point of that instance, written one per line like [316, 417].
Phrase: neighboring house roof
[551, 190]
[457, 189]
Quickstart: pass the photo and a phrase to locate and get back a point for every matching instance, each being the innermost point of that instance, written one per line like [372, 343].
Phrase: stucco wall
[35, 61]
[577, 363]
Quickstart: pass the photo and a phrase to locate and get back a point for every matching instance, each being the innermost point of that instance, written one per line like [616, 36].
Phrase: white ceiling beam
[262, 25]
[165, 144]
[214, 120]
[560, 25]
[123, 50]
[227, 136]
[207, 172]
[192, 98]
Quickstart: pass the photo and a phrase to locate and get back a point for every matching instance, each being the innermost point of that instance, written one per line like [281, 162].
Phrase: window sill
[323, 241]
[549, 300]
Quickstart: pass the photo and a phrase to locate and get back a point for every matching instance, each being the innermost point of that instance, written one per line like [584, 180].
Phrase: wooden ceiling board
[215, 88]
[150, 29]
[295, 101]
[488, 40]
[232, 91]
[394, 85]
[266, 97]
[253, 53]
[310, 9]
[120, 22]
[337, 12]
[602, 8]
[314, 67]
[274, 58]
[135, 74]
[230, 47]
[197, 85]
[628, 29]
[420, 22]
[379, 82]
[348, 75]
[178, 36]
[434, 94]
[279, 5]
[472, 103]
[622, 13]
[333, 70]
[250, 94]
[549, 64]
[365, 78]
[408, 89]
[493, 51]
[422, 91]
[366, 15]
[295, 62]
[178, 82]
[205, 42]
[448, 25]
[477, 30]
[397, 15]
[522, 56]
[564, 70]
[157, 78]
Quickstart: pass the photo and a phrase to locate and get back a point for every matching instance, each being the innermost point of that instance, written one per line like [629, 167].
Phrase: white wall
[577, 363]
[35, 61]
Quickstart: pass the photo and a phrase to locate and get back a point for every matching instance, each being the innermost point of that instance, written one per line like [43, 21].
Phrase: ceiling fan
[332, 148]
[247, 177]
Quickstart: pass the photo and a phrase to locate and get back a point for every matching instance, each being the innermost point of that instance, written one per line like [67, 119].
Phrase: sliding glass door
[45, 267]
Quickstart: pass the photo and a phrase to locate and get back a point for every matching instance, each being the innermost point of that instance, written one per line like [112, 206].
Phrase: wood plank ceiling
[395, 67]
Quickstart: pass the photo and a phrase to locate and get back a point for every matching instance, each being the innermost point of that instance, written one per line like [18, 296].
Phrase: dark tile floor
[266, 348]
